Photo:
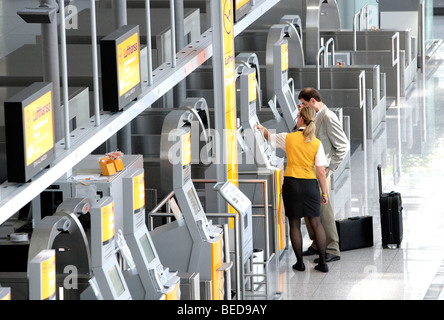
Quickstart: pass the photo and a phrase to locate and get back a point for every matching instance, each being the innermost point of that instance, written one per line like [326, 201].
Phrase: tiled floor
[410, 147]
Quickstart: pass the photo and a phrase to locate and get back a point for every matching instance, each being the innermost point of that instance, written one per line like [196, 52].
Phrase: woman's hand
[264, 130]
[324, 199]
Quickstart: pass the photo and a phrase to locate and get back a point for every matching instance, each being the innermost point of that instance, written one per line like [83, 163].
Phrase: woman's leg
[321, 242]
[296, 242]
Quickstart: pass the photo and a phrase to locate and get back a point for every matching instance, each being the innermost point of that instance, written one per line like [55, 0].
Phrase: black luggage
[355, 232]
[391, 215]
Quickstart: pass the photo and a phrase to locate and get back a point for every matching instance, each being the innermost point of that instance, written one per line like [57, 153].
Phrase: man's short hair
[308, 93]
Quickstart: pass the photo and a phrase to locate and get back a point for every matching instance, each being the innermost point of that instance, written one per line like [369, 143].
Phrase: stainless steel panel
[384, 59]
[399, 5]
[189, 286]
[373, 40]
[315, 21]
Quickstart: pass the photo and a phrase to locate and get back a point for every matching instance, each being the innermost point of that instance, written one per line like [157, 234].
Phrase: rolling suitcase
[391, 215]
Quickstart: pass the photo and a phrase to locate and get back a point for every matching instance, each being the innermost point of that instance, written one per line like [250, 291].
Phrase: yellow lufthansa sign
[107, 223]
[186, 149]
[39, 133]
[284, 53]
[240, 3]
[139, 192]
[252, 87]
[230, 95]
[128, 58]
[217, 275]
[48, 277]
[230, 91]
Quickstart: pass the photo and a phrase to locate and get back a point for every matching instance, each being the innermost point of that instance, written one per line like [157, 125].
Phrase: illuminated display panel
[29, 127]
[120, 64]
[242, 7]
[116, 281]
[194, 200]
[292, 105]
[147, 249]
[107, 223]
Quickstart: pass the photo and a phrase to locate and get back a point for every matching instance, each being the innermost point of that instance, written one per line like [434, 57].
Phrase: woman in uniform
[305, 167]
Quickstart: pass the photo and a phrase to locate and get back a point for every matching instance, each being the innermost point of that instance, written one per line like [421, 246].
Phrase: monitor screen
[116, 281]
[194, 201]
[291, 102]
[147, 249]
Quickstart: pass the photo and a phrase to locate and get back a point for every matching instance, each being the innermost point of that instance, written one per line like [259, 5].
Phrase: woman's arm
[276, 140]
[320, 172]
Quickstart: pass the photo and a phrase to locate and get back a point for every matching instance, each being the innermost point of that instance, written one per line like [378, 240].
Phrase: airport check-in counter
[142, 276]
[147, 140]
[108, 282]
[149, 280]
[260, 183]
[190, 243]
[337, 83]
[266, 166]
[381, 39]
[343, 89]
[61, 232]
[263, 160]
[384, 51]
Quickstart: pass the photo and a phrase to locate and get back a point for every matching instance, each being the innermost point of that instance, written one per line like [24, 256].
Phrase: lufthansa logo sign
[228, 14]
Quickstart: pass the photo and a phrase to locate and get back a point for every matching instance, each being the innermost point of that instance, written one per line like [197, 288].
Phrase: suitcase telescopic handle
[379, 180]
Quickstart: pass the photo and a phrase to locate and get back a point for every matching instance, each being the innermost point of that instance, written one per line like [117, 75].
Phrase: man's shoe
[310, 251]
[329, 258]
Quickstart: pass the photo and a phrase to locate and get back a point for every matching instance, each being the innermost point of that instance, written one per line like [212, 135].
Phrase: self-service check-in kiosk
[264, 156]
[239, 201]
[284, 94]
[242, 204]
[264, 163]
[107, 273]
[151, 281]
[63, 233]
[190, 243]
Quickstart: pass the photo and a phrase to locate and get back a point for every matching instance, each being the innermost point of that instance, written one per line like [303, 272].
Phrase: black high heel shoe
[322, 267]
[299, 266]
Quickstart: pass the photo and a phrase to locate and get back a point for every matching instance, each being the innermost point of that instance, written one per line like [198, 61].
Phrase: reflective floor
[410, 148]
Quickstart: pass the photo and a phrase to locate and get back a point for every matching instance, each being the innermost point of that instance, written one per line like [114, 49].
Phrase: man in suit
[336, 145]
